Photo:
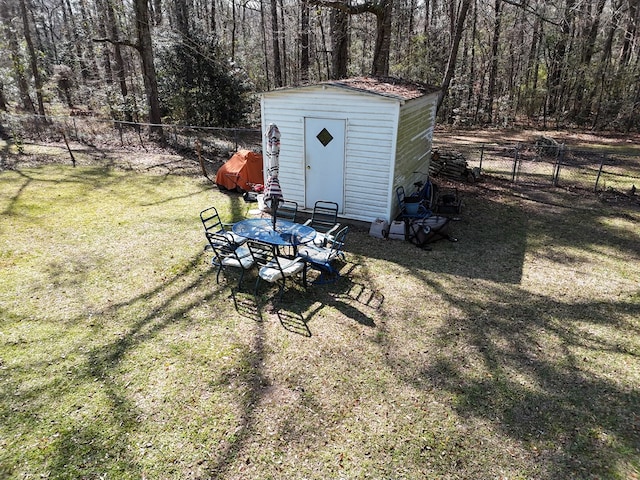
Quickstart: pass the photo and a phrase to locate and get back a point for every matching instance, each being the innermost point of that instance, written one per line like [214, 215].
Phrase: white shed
[352, 141]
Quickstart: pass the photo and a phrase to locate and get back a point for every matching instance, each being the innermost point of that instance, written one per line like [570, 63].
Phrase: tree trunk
[382, 48]
[3, 99]
[453, 52]
[33, 57]
[233, 31]
[283, 46]
[339, 21]
[148, 69]
[383, 10]
[182, 16]
[16, 59]
[87, 23]
[102, 32]
[304, 41]
[117, 53]
[558, 60]
[583, 103]
[275, 32]
[493, 71]
[263, 25]
[630, 35]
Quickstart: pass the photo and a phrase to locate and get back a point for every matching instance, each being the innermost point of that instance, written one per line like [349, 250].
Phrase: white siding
[386, 140]
[371, 123]
[415, 135]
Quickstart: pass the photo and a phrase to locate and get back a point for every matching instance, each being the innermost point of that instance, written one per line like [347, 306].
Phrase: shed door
[324, 160]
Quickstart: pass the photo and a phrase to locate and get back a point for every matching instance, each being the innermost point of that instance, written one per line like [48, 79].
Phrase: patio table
[286, 233]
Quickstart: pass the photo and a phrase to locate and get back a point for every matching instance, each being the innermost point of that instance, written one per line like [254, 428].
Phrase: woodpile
[449, 164]
[547, 146]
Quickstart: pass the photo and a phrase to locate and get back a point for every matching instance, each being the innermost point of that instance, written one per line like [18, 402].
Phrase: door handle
[308, 167]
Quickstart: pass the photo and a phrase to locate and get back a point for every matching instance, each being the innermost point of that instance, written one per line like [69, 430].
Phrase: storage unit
[352, 142]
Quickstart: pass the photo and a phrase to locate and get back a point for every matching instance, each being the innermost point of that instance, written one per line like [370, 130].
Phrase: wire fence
[551, 165]
[210, 146]
[541, 164]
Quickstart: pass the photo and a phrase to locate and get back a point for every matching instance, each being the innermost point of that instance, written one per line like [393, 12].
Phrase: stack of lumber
[449, 164]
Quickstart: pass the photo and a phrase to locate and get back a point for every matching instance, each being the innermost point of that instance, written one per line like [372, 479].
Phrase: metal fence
[209, 145]
[553, 165]
[523, 164]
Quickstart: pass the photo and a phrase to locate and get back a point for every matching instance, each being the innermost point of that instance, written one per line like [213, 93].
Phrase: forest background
[542, 64]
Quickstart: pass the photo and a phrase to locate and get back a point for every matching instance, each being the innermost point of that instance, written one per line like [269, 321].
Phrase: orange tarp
[241, 170]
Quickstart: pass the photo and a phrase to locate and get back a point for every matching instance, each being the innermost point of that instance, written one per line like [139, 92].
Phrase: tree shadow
[79, 449]
[522, 362]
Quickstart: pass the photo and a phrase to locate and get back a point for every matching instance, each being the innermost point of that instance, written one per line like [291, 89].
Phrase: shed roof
[383, 86]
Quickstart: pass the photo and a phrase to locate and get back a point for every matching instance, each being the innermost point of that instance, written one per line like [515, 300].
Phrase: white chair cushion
[233, 237]
[244, 260]
[243, 251]
[317, 254]
[271, 273]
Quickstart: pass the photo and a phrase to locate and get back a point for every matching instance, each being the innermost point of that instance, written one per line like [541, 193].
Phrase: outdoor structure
[352, 142]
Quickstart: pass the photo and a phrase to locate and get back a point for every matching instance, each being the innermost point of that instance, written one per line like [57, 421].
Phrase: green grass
[514, 353]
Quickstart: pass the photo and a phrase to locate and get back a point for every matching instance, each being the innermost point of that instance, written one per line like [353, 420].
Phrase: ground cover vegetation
[513, 353]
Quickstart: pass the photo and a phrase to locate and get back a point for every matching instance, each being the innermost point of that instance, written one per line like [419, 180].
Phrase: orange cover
[241, 170]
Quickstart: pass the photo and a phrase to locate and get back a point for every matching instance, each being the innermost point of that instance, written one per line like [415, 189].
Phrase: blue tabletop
[286, 233]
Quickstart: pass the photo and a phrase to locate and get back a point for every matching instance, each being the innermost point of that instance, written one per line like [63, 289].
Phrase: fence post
[556, 167]
[515, 163]
[481, 157]
[595, 187]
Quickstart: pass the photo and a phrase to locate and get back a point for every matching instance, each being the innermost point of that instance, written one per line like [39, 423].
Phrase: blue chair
[321, 258]
[410, 211]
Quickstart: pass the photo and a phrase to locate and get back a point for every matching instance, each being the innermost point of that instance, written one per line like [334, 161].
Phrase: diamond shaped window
[324, 137]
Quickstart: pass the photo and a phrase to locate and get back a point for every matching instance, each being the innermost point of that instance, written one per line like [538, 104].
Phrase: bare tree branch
[529, 9]
[117, 42]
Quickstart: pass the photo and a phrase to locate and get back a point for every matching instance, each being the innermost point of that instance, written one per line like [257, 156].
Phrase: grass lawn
[514, 353]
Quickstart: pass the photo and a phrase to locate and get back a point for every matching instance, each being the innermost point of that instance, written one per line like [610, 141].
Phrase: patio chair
[287, 210]
[324, 220]
[212, 223]
[322, 257]
[227, 254]
[414, 212]
[273, 268]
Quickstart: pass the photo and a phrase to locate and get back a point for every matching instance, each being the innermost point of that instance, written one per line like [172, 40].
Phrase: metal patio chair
[287, 210]
[324, 220]
[322, 258]
[272, 267]
[227, 254]
[415, 212]
[212, 223]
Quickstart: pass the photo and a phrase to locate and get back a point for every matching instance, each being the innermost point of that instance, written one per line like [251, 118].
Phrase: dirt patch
[629, 144]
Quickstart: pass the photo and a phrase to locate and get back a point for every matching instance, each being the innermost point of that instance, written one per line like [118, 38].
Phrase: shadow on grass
[354, 300]
[491, 245]
[79, 449]
[103, 360]
[527, 363]
[578, 422]
[531, 366]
